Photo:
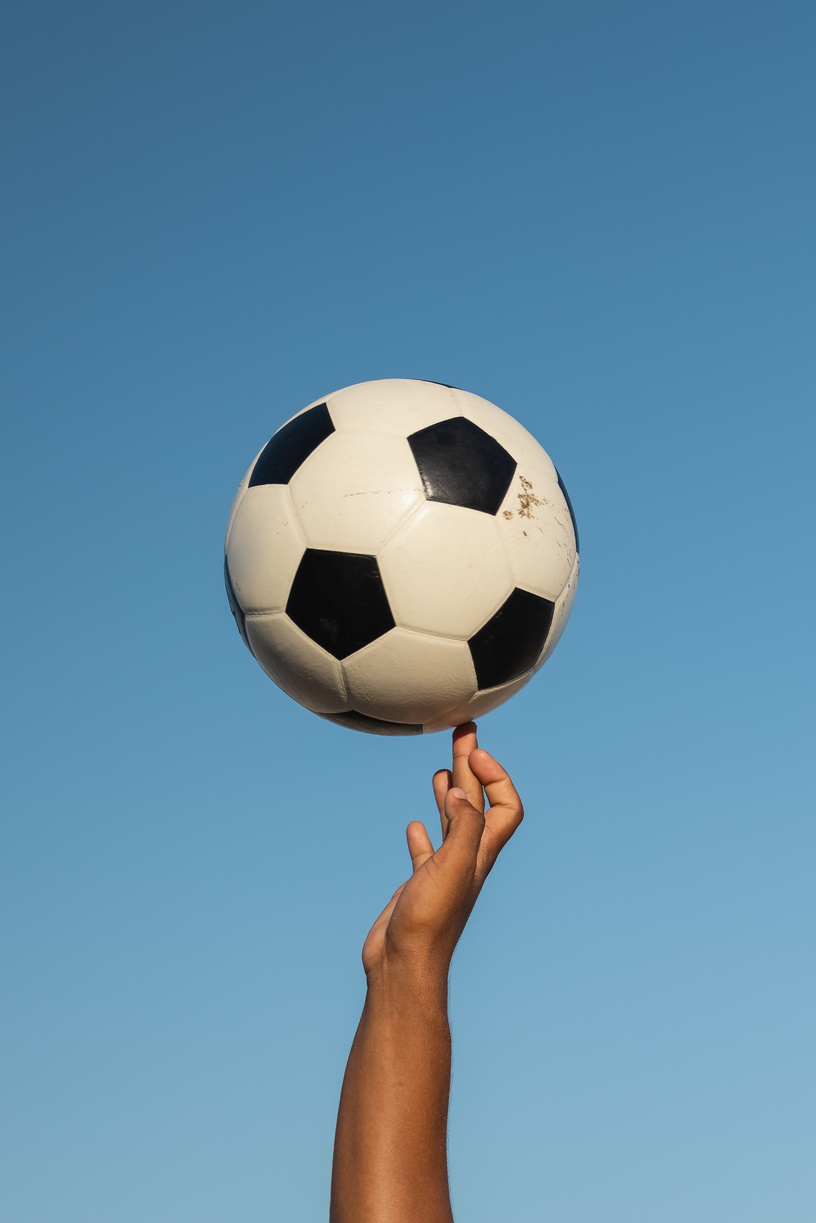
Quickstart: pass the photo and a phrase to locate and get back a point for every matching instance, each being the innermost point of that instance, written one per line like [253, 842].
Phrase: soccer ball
[401, 557]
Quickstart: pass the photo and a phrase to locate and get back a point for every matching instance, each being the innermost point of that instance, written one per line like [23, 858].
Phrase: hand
[421, 924]
[390, 1151]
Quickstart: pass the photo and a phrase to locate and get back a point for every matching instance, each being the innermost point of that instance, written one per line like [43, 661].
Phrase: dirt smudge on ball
[528, 499]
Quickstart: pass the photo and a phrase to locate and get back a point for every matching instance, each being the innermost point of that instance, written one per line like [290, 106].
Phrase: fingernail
[457, 792]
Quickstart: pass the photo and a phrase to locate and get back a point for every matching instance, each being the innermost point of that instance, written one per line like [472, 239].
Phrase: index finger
[464, 744]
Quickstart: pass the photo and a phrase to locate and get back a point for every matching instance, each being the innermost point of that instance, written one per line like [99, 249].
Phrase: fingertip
[482, 763]
[466, 728]
[458, 792]
[416, 834]
[479, 759]
[441, 782]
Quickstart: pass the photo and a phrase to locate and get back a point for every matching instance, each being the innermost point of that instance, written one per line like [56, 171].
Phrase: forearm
[390, 1155]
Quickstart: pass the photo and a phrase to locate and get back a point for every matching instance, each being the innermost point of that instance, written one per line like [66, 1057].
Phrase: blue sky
[599, 216]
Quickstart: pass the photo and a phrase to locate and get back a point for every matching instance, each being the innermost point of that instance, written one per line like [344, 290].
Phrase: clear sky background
[601, 217]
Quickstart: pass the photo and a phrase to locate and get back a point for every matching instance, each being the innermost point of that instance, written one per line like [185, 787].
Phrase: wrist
[410, 982]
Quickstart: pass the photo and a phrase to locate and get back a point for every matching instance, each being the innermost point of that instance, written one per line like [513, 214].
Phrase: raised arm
[390, 1152]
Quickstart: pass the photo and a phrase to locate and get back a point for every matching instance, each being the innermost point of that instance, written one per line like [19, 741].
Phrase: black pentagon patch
[291, 445]
[235, 607]
[562, 486]
[511, 641]
[462, 465]
[373, 726]
[338, 599]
